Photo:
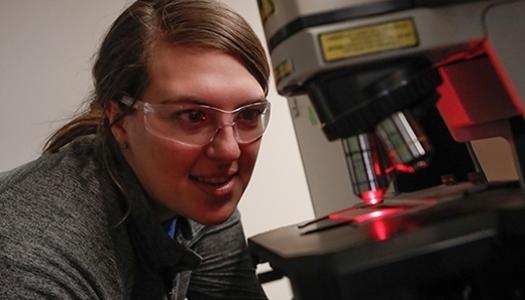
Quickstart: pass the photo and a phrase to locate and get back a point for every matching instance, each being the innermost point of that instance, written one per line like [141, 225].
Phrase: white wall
[45, 58]
[45, 53]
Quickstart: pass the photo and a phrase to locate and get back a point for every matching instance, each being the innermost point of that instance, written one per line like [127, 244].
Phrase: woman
[136, 197]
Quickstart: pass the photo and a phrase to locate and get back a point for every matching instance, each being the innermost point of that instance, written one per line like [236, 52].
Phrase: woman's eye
[191, 116]
[250, 114]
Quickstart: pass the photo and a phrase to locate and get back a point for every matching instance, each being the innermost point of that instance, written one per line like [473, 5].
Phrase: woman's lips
[215, 185]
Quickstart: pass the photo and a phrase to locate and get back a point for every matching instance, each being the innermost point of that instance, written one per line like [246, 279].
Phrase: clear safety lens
[196, 124]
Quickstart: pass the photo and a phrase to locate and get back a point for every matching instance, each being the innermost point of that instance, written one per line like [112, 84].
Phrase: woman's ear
[113, 113]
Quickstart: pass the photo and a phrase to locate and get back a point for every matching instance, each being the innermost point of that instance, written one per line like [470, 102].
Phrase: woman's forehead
[201, 75]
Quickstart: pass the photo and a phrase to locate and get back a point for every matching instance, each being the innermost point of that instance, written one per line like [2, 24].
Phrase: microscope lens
[369, 178]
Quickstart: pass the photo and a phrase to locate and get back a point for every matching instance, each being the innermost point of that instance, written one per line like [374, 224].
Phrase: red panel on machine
[473, 93]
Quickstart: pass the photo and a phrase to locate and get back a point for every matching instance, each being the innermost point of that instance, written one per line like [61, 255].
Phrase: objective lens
[369, 179]
[406, 143]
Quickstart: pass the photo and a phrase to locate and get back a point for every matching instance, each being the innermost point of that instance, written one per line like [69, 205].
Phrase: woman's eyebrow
[187, 99]
[252, 101]
[184, 99]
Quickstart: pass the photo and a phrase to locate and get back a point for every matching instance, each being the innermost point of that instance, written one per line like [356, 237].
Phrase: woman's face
[203, 183]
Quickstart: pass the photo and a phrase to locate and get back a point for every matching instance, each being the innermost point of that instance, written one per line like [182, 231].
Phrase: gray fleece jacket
[60, 238]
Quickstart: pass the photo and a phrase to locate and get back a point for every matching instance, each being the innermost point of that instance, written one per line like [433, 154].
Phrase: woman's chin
[215, 217]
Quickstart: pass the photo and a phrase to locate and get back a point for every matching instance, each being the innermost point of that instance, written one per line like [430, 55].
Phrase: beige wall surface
[46, 53]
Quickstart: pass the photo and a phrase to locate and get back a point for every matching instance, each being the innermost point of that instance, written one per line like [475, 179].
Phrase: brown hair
[121, 64]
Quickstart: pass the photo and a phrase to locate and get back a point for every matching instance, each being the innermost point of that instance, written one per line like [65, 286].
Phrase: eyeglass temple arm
[128, 101]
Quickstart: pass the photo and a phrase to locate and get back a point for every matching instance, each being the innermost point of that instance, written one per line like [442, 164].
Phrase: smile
[212, 180]
[216, 186]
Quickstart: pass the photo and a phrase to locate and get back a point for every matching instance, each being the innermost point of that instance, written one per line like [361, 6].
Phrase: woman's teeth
[212, 180]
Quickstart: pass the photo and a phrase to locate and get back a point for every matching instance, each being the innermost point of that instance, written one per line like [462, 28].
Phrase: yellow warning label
[282, 70]
[368, 39]
[266, 9]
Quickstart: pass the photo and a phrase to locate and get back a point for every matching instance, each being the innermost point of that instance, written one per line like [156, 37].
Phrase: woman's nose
[224, 145]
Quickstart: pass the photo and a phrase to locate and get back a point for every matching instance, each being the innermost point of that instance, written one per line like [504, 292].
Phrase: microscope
[401, 89]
